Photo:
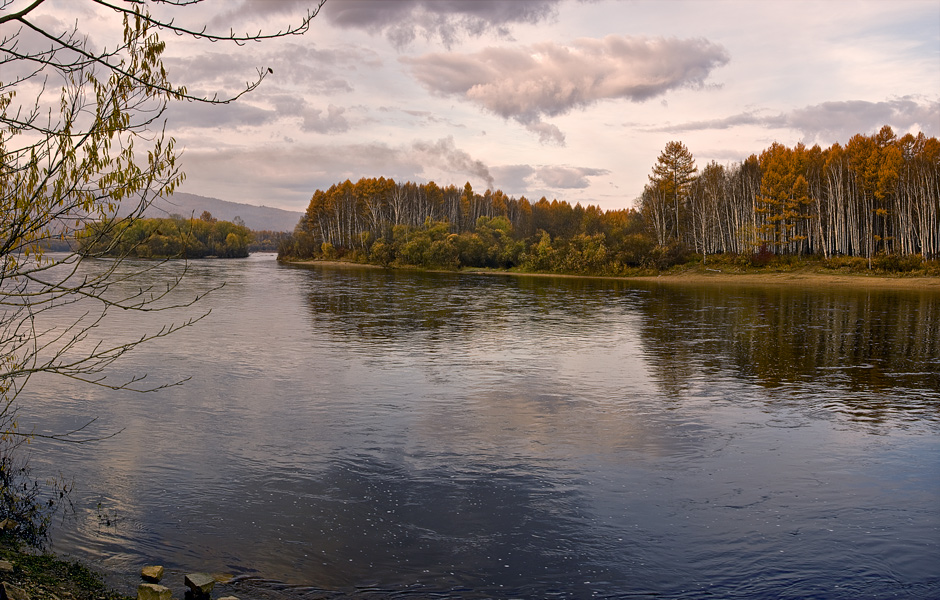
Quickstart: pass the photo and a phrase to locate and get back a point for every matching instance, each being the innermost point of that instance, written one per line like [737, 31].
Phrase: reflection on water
[371, 433]
[873, 355]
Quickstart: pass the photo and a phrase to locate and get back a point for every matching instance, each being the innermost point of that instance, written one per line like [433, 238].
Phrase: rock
[229, 598]
[200, 583]
[6, 566]
[152, 591]
[8, 591]
[7, 525]
[153, 574]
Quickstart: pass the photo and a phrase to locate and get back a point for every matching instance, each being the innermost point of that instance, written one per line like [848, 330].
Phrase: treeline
[266, 240]
[173, 237]
[385, 222]
[877, 197]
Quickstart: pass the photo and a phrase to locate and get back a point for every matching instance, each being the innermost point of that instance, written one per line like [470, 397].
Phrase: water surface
[371, 433]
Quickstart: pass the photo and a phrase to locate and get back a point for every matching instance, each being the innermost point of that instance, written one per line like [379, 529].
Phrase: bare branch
[68, 162]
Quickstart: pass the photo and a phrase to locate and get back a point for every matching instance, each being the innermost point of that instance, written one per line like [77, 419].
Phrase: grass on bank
[45, 577]
[882, 266]
[758, 263]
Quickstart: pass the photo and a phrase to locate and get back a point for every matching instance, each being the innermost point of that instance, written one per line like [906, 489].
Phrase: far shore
[801, 279]
[798, 278]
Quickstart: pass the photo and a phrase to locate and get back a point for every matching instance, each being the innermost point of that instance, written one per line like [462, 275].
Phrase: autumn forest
[876, 198]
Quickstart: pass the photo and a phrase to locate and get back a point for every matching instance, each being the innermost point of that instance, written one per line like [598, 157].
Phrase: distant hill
[255, 217]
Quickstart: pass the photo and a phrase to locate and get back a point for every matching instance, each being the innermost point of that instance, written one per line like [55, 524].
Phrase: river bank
[46, 577]
[803, 277]
[415, 433]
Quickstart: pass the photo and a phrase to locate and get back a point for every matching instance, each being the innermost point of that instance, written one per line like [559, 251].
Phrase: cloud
[841, 120]
[325, 72]
[445, 155]
[513, 178]
[287, 175]
[286, 105]
[833, 121]
[183, 115]
[403, 21]
[568, 177]
[548, 79]
[528, 177]
[203, 115]
[332, 122]
[253, 10]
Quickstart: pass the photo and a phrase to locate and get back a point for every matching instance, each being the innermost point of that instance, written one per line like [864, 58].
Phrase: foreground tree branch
[83, 140]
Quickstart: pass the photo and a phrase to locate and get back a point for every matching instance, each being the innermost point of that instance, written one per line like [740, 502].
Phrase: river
[365, 433]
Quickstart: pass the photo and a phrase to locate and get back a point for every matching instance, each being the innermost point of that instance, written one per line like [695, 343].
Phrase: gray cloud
[324, 69]
[833, 121]
[402, 21]
[246, 10]
[287, 105]
[332, 122]
[513, 179]
[182, 115]
[841, 120]
[323, 72]
[568, 177]
[424, 117]
[445, 155]
[200, 114]
[548, 79]
[286, 175]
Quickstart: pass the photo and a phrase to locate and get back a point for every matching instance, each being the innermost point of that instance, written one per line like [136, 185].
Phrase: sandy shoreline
[802, 278]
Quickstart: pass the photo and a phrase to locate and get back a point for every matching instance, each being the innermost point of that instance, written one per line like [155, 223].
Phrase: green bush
[894, 263]
[674, 254]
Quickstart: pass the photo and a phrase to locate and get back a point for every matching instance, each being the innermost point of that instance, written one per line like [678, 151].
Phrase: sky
[568, 99]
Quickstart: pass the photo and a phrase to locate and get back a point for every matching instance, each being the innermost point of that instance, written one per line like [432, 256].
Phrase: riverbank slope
[806, 276]
[45, 577]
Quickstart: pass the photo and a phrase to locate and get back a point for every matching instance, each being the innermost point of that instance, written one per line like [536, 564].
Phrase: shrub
[669, 256]
[328, 251]
[898, 264]
[26, 505]
[381, 253]
[762, 256]
[845, 263]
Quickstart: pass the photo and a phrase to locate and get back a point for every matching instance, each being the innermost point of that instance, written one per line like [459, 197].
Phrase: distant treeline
[877, 197]
[265, 240]
[173, 237]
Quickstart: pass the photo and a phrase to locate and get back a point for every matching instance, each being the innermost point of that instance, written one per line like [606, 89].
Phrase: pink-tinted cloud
[527, 83]
[833, 121]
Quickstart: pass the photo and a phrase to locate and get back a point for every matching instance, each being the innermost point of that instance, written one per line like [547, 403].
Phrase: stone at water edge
[152, 591]
[8, 591]
[152, 573]
[200, 583]
[6, 566]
